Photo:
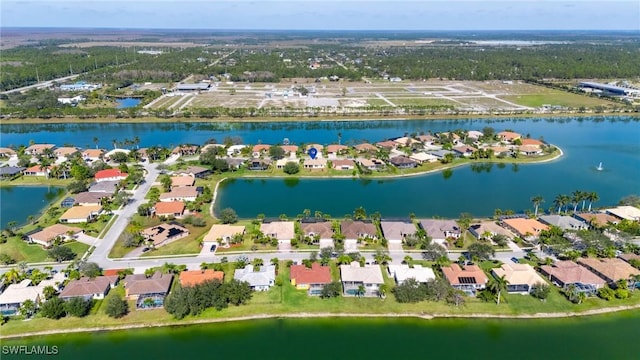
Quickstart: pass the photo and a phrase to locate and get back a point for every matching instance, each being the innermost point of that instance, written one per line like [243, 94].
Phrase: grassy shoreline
[151, 119]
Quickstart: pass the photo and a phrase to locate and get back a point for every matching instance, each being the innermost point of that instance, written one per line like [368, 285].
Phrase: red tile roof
[110, 173]
[316, 275]
[169, 207]
[195, 277]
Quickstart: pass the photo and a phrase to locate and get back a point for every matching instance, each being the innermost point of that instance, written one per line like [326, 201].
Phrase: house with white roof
[625, 212]
[402, 273]
[353, 276]
[260, 280]
[16, 294]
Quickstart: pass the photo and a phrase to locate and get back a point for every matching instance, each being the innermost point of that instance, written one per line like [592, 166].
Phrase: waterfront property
[597, 219]
[57, 232]
[611, 270]
[190, 278]
[148, 292]
[625, 212]
[469, 279]
[526, 228]
[80, 214]
[87, 288]
[169, 208]
[195, 171]
[322, 230]
[40, 149]
[108, 187]
[312, 279]
[354, 230]
[223, 233]
[361, 281]
[181, 181]
[397, 230]
[15, 295]
[440, 230]
[261, 279]
[281, 230]
[521, 278]
[110, 175]
[486, 230]
[564, 222]
[89, 198]
[566, 273]
[8, 172]
[185, 193]
[402, 273]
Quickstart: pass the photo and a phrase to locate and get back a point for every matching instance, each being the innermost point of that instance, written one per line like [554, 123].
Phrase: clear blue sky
[327, 14]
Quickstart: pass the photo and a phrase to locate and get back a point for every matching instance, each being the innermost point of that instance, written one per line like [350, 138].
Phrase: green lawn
[20, 250]
[555, 97]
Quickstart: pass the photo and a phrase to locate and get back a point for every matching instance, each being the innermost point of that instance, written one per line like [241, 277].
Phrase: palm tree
[576, 197]
[13, 275]
[407, 260]
[96, 141]
[537, 200]
[592, 197]
[382, 290]
[560, 201]
[361, 290]
[581, 297]
[497, 285]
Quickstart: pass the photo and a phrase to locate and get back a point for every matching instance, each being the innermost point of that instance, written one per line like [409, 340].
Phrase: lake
[18, 202]
[611, 336]
[125, 103]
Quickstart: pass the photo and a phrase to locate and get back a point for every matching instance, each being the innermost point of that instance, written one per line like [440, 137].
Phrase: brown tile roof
[629, 257]
[532, 142]
[336, 148]
[509, 135]
[355, 229]
[178, 181]
[317, 146]
[180, 192]
[36, 149]
[337, 163]
[81, 212]
[65, 150]
[289, 148]
[611, 270]
[454, 273]
[365, 147]
[324, 229]
[387, 144]
[169, 208]
[92, 153]
[49, 233]
[599, 219]
[7, 151]
[164, 232]
[261, 147]
[139, 284]
[316, 275]
[86, 286]
[89, 197]
[223, 231]
[195, 277]
[568, 272]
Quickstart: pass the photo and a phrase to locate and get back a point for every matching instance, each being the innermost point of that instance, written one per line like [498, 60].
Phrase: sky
[326, 14]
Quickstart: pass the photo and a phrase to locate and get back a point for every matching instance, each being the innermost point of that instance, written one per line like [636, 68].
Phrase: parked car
[213, 247]
[145, 249]
[515, 260]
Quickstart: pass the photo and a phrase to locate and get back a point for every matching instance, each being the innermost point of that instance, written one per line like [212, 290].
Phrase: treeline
[194, 300]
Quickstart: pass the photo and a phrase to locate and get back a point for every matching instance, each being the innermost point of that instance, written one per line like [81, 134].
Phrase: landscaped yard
[20, 250]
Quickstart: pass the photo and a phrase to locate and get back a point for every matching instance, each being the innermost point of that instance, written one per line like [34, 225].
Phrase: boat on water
[600, 168]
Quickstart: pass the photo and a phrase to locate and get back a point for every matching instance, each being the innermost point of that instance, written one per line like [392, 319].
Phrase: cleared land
[553, 97]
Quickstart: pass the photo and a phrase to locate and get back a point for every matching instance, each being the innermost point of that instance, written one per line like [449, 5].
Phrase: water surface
[18, 202]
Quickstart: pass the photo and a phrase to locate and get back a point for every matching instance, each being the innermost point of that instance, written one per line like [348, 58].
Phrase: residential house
[260, 149]
[259, 164]
[311, 279]
[629, 257]
[37, 170]
[402, 273]
[335, 150]
[426, 139]
[318, 147]
[185, 193]
[322, 229]
[440, 230]
[343, 164]
[489, 229]
[65, 152]
[509, 136]
[39, 149]
[464, 150]
[566, 273]
[405, 141]
[396, 231]
[169, 208]
[7, 152]
[290, 150]
[445, 137]
[469, 279]
[165, 233]
[105, 187]
[315, 164]
[626, 212]
[8, 172]
[474, 134]
[499, 150]
[403, 162]
[110, 175]
[260, 280]
[148, 292]
[223, 233]
[280, 163]
[89, 198]
[526, 228]
[563, 222]
[87, 288]
[109, 154]
[530, 150]
[185, 150]
[354, 277]
[80, 214]
[281, 230]
[597, 219]
[611, 270]
[532, 142]
[353, 230]
[16, 294]
[371, 164]
[234, 164]
[180, 181]
[440, 154]
[365, 147]
[92, 154]
[387, 144]
[235, 149]
[197, 277]
[422, 157]
[48, 235]
[521, 278]
[195, 171]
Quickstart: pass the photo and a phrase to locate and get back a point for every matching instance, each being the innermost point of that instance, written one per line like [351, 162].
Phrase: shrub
[54, 308]
[78, 307]
[291, 168]
[116, 307]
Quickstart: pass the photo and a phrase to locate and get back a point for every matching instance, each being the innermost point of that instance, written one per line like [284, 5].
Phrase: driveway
[395, 245]
[324, 243]
[86, 239]
[206, 248]
[284, 245]
[350, 246]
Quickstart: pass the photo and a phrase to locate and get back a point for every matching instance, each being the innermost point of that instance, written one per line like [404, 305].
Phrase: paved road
[42, 84]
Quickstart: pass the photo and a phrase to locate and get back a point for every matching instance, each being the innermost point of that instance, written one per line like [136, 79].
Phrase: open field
[139, 44]
[477, 96]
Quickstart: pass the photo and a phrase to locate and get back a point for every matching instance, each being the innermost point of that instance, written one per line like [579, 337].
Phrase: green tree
[228, 216]
[276, 152]
[53, 308]
[331, 290]
[165, 181]
[291, 168]
[237, 292]
[481, 251]
[360, 213]
[592, 197]
[78, 307]
[498, 285]
[117, 307]
[28, 308]
[540, 291]
[61, 253]
[90, 269]
[48, 292]
[410, 291]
